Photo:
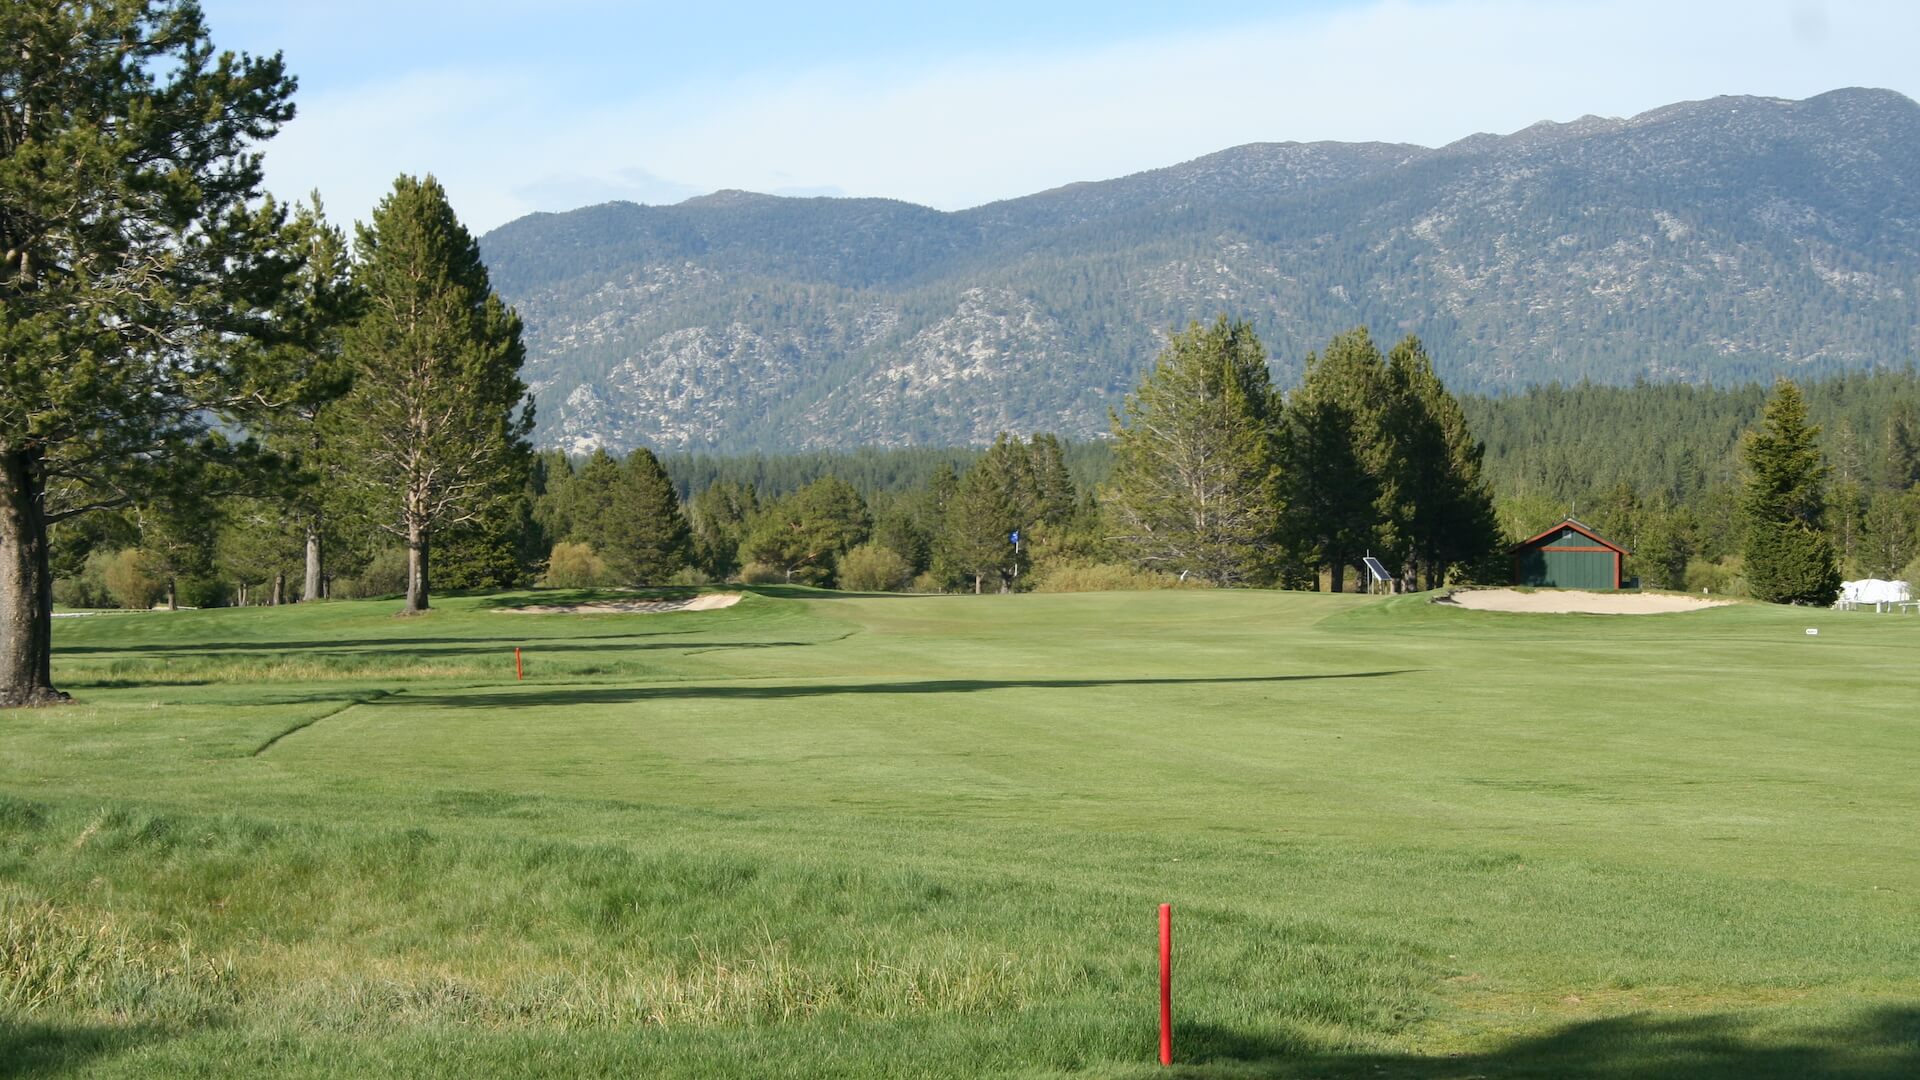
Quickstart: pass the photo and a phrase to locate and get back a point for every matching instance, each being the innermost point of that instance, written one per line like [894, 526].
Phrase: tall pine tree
[309, 362]
[133, 262]
[1341, 485]
[646, 536]
[438, 414]
[1197, 456]
[1789, 559]
[1448, 522]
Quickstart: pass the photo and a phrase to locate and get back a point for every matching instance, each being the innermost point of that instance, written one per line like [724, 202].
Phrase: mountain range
[1709, 241]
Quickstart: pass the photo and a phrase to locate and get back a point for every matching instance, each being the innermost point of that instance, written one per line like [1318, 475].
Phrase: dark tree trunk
[26, 585]
[310, 589]
[416, 571]
[1337, 574]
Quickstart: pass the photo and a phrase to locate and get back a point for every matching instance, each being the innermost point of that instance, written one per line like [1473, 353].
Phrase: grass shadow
[1884, 1045]
[44, 1049]
[626, 639]
[547, 697]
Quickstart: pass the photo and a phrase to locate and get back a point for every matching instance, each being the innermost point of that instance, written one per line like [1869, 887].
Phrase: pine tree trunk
[26, 585]
[310, 589]
[279, 589]
[416, 571]
[1337, 574]
[173, 595]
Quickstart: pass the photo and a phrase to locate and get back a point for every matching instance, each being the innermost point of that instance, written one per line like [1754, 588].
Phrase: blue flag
[1014, 536]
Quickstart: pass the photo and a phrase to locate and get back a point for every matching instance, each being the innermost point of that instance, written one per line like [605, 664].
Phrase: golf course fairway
[819, 834]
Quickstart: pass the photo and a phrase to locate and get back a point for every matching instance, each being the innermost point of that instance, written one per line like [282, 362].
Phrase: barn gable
[1568, 556]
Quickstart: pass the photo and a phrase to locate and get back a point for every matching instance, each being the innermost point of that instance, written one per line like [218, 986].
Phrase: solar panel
[1376, 569]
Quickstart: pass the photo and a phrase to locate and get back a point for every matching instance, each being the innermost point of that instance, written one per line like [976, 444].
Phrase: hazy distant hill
[1721, 240]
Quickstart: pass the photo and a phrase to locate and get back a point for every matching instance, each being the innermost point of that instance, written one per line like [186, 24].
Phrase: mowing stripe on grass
[373, 696]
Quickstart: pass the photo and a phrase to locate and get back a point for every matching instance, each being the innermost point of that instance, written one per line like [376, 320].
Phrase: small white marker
[1813, 631]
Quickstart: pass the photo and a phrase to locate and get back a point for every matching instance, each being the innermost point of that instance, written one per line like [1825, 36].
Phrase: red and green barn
[1568, 556]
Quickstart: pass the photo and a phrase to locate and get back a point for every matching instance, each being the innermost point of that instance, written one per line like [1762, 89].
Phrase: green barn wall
[1550, 569]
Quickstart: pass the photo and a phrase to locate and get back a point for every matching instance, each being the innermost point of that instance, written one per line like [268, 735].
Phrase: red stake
[1166, 984]
[519, 673]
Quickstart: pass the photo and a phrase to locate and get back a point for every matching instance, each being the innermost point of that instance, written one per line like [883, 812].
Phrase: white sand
[703, 602]
[1568, 601]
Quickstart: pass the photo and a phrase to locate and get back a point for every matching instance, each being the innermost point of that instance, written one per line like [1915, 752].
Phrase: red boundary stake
[1166, 984]
[519, 674]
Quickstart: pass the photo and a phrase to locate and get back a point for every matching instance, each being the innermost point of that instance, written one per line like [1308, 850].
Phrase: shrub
[759, 573]
[574, 566]
[201, 592]
[1714, 578]
[134, 579]
[690, 575]
[386, 575]
[873, 568]
[1109, 577]
[929, 582]
[88, 588]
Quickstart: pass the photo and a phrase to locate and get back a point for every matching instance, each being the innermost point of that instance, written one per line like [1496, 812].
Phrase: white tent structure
[1875, 592]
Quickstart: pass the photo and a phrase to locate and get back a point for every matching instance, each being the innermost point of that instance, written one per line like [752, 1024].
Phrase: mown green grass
[825, 835]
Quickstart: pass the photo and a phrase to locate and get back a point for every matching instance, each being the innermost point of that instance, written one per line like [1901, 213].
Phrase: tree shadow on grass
[43, 1049]
[215, 656]
[548, 697]
[1883, 1045]
[393, 645]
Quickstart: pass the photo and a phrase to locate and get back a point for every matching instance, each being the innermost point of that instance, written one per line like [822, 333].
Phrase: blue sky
[519, 107]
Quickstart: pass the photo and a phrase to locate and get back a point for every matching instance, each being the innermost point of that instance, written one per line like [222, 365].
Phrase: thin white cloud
[983, 127]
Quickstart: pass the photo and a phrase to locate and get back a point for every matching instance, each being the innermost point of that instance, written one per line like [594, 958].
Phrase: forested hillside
[1720, 241]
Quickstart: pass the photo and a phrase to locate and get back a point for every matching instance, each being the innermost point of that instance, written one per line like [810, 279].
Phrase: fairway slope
[824, 834]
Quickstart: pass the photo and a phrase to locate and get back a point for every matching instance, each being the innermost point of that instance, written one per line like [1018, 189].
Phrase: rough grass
[815, 835]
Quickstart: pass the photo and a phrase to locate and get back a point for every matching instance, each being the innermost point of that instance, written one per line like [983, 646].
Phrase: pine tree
[308, 361]
[1902, 467]
[1342, 484]
[646, 536]
[129, 243]
[584, 505]
[1058, 500]
[719, 517]
[1448, 521]
[439, 416]
[1848, 499]
[1891, 531]
[992, 514]
[1788, 558]
[804, 534]
[1195, 485]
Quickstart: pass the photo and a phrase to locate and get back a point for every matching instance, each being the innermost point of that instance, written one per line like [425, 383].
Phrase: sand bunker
[703, 602]
[1564, 602]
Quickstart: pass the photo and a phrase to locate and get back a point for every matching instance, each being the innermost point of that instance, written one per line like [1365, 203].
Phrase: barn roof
[1569, 523]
